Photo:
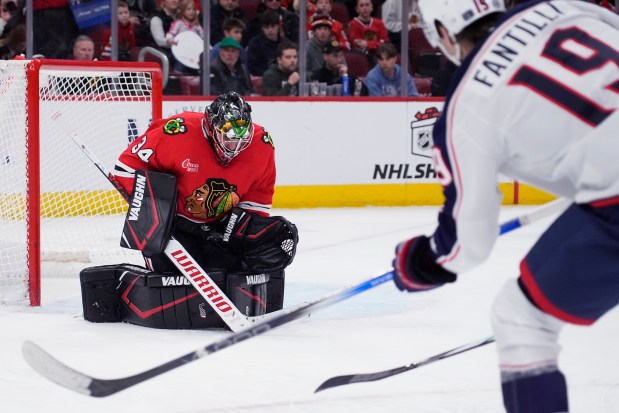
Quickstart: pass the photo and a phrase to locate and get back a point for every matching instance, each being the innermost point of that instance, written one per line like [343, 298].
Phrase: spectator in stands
[365, 32]
[288, 20]
[12, 30]
[54, 28]
[321, 35]
[337, 27]
[384, 78]
[83, 48]
[8, 10]
[139, 14]
[311, 10]
[187, 20]
[262, 49]
[392, 17]
[126, 35]
[219, 13]
[228, 74]
[282, 77]
[160, 23]
[232, 27]
[352, 4]
[334, 68]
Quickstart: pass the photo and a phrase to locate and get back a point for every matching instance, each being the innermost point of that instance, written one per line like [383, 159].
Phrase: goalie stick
[58, 372]
[72, 379]
[177, 254]
[360, 378]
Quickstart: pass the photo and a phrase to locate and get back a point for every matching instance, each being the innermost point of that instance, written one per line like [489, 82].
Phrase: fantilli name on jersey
[512, 42]
[536, 102]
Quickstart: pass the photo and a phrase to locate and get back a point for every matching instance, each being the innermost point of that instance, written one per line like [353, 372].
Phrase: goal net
[58, 213]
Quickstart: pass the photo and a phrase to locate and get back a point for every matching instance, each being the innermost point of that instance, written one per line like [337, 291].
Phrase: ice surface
[278, 372]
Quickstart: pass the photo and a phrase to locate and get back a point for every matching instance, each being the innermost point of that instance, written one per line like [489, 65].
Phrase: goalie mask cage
[58, 213]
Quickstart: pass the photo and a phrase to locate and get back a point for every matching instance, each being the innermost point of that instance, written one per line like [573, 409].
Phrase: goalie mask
[454, 16]
[227, 125]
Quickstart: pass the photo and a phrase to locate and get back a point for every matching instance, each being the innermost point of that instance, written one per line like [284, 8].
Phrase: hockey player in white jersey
[535, 98]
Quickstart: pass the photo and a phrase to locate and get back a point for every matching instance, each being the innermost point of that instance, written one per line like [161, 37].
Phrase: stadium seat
[250, 9]
[423, 85]
[357, 62]
[150, 54]
[190, 85]
[134, 54]
[424, 59]
[256, 83]
[339, 12]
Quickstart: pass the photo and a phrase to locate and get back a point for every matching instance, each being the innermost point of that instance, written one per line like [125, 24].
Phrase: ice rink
[279, 371]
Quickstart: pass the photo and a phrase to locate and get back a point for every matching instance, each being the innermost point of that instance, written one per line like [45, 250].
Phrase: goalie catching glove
[415, 269]
[264, 243]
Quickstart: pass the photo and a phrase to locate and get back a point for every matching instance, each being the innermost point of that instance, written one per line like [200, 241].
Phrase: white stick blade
[52, 369]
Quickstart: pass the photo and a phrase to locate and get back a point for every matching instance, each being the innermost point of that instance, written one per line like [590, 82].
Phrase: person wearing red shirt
[126, 35]
[365, 32]
[337, 27]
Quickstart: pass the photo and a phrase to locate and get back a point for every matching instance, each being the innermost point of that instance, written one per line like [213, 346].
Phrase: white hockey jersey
[536, 101]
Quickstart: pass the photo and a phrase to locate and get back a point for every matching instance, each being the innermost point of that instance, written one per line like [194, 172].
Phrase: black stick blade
[360, 378]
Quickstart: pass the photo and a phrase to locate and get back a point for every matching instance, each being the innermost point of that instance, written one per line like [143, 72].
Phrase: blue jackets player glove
[415, 268]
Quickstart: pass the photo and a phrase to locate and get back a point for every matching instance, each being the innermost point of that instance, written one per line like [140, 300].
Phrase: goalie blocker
[244, 254]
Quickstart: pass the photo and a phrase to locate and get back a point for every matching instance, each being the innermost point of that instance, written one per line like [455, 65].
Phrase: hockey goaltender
[207, 180]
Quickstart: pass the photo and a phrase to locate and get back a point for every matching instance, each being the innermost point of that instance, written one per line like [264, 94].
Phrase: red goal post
[58, 214]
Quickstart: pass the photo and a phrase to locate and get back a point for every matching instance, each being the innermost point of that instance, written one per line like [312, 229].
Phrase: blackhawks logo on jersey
[213, 199]
[174, 126]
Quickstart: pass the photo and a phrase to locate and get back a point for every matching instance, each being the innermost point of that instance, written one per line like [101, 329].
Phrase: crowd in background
[352, 47]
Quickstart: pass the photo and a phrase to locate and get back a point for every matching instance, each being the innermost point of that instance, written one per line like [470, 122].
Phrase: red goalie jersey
[206, 189]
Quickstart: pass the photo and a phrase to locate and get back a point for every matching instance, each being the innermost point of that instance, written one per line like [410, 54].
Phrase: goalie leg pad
[132, 294]
[275, 291]
[166, 300]
[248, 292]
[100, 299]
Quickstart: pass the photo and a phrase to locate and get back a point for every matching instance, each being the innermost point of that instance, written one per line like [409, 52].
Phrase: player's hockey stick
[539, 213]
[546, 210]
[379, 375]
[177, 254]
[65, 376]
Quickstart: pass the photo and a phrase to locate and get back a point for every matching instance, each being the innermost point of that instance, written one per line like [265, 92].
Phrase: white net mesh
[81, 213]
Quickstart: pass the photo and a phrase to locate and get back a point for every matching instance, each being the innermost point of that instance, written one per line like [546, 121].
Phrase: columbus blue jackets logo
[174, 126]
[421, 128]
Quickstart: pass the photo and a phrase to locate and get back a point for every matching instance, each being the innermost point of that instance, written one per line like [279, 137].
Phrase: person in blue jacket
[384, 78]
